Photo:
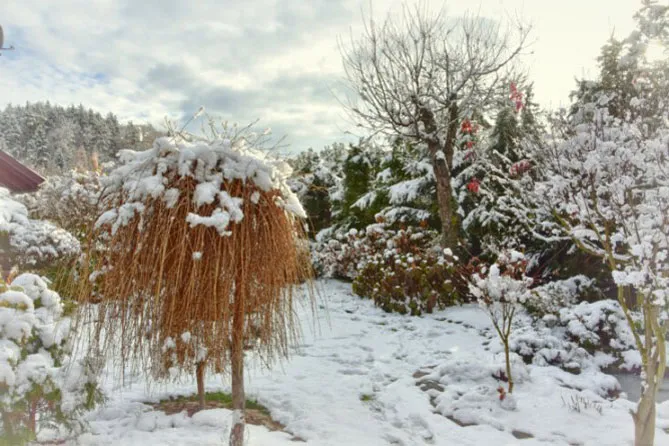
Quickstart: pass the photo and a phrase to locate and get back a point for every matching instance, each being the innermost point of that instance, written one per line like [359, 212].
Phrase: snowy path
[351, 382]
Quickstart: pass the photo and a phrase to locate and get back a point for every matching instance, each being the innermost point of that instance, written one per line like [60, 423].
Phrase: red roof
[16, 177]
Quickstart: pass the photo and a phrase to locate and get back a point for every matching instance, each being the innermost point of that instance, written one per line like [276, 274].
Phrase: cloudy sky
[273, 60]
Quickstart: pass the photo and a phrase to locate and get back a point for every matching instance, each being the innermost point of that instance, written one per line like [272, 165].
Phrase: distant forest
[53, 139]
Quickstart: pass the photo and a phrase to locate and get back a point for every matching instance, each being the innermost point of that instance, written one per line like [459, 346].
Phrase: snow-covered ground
[364, 377]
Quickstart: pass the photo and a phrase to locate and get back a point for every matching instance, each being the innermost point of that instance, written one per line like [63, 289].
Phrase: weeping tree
[419, 75]
[199, 252]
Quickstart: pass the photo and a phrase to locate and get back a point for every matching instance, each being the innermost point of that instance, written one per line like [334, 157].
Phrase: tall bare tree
[420, 73]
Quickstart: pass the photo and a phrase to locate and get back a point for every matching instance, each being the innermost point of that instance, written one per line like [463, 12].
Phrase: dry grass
[153, 289]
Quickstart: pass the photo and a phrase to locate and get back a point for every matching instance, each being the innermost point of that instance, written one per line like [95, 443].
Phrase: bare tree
[418, 75]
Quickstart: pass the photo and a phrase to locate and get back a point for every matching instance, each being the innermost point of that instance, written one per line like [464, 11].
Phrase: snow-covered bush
[501, 289]
[414, 283]
[544, 344]
[552, 296]
[25, 241]
[576, 337]
[407, 273]
[568, 332]
[400, 269]
[70, 201]
[601, 327]
[38, 388]
[337, 254]
[342, 254]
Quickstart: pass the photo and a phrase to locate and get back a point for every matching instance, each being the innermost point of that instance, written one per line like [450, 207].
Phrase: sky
[276, 61]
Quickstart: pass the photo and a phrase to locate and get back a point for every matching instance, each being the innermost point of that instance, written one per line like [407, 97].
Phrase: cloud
[273, 60]
[153, 59]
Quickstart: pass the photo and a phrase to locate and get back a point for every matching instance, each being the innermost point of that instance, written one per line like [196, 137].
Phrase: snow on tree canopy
[31, 241]
[147, 175]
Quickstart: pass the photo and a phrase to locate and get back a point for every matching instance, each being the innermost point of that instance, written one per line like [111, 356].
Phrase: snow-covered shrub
[343, 254]
[414, 283]
[400, 269]
[25, 241]
[542, 345]
[38, 389]
[552, 296]
[577, 337]
[501, 289]
[334, 254]
[600, 327]
[70, 201]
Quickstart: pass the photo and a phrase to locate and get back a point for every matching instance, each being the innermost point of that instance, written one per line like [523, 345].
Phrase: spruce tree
[495, 176]
[358, 172]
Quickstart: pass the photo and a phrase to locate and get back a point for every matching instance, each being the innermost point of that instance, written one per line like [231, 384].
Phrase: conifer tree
[496, 175]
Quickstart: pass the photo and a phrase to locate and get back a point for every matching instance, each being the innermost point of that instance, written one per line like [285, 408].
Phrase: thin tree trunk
[644, 421]
[32, 417]
[199, 373]
[7, 426]
[655, 360]
[508, 366]
[237, 363]
[644, 417]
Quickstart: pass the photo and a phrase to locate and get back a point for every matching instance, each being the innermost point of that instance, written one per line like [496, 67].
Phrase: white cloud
[276, 60]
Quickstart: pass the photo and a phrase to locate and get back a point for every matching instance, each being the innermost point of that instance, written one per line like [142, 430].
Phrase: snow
[364, 377]
[144, 175]
[205, 193]
[408, 190]
[218, 219]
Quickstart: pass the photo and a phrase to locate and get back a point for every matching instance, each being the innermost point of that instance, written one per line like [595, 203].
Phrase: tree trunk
[449, 227]
[508, 366]
[654, 366]
[199, 373]
[237, 363]
[32, 417]
[442, 163]
[644, 417]
[7, 424]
